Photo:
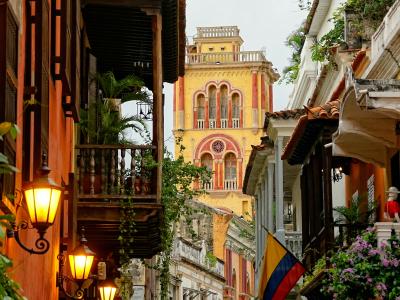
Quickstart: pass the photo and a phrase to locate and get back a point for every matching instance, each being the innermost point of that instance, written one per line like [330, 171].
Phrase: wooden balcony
[108, 174]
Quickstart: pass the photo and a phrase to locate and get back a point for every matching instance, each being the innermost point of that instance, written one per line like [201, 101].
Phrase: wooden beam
[158, 120]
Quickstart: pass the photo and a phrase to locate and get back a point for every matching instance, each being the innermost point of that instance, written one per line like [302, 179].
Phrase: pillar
[181, 105]
[280, 231]
[254, 102]
[270, 196]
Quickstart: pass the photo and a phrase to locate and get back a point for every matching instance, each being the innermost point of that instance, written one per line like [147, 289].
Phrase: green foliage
[323, 49]
[365, 270]
[126, 231]
[12, 130]
[356, 213]
[9, 289]
[104, 126]
[211, 259]
[177, 189]
[295, 42]
[319, 267]
[370, 13]
[128, 88]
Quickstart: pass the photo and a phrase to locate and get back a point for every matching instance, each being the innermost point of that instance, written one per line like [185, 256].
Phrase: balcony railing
[208, 185]
[225, 57]
[200, 124]
[195, 255]
[115, 171]
[386, 32]
[235, 122]
[212, 123]
[224, 123]
[294, 243]
[222, 31]
[230, 184]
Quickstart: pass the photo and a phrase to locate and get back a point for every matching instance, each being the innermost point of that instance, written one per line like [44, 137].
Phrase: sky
[263, 25]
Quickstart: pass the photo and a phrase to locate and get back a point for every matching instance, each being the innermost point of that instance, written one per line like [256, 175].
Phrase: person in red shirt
[392, 207]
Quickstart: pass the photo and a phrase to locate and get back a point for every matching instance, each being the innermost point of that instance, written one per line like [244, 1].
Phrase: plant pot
[115, 104]
[138, 185]
[146, 186]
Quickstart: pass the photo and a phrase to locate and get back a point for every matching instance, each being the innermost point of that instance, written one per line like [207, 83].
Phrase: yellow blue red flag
[280, 271]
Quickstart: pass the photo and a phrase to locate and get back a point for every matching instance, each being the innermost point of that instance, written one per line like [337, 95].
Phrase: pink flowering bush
[365, 270]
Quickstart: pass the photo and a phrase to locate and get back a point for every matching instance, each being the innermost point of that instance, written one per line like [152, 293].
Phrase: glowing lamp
[107, 290]
[81, 260]
[42, 197]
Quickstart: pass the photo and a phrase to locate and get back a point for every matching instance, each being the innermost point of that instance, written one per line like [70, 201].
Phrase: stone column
[270, 197]
[280, 231]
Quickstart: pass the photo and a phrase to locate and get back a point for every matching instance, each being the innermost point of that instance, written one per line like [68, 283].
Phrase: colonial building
[49, 51]
[345, 144]
[219, 108]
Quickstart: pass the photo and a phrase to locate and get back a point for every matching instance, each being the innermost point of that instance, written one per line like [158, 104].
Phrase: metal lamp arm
[41, 243]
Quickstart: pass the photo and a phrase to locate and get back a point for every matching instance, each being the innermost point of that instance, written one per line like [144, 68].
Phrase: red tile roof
[327, 111]
[284, 115]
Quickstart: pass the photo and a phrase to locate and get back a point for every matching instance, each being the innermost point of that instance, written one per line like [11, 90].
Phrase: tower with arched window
[219, 108]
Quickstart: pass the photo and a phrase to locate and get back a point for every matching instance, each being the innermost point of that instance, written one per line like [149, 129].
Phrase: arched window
[235, 110]
[200, 110]
[230, 182]
[212, 104]
[224, 106]
[207, 161]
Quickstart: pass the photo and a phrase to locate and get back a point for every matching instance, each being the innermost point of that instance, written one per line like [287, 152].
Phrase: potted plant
[116, 91]
[103, 124]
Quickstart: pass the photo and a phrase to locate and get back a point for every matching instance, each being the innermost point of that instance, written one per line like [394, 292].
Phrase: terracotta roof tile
[327, 111]
[284, 115]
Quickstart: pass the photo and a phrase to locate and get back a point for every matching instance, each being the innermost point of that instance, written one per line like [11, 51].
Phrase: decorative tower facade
[219, 109]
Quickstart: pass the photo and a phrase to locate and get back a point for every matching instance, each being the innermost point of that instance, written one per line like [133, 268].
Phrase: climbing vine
[177, 188]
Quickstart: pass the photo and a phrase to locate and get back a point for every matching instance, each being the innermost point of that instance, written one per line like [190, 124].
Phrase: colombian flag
[280, 271]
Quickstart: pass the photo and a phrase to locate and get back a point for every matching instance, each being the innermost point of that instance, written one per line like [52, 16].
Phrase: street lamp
[42, 197]
[107, 290]
[80, 262]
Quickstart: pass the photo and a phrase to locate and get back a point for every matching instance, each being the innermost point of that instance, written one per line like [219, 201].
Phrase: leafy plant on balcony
[295, 42]
[9, 289]
[365, 270]
[369, 14]
[356, 216]
[127, 89]
[102, 125]
[102, 122]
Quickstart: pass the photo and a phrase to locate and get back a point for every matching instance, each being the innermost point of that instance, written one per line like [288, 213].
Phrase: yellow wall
[220, 228]
[216, 47]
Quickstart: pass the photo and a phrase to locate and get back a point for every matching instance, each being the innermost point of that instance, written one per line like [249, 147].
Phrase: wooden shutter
[70, 57]
[41, 81]
[8, 91]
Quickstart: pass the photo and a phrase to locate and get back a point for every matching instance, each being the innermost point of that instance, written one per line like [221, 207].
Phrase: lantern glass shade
[80, 262]
[42, 204]
[107, 290]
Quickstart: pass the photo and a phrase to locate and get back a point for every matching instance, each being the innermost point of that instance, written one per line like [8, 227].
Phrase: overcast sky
[263, 24]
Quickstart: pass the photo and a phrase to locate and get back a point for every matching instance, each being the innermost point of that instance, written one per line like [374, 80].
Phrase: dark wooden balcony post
[327, 166]
[158, 121]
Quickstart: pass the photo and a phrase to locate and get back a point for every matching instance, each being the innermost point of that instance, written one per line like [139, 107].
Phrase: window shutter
[42, 69]
[8, 91]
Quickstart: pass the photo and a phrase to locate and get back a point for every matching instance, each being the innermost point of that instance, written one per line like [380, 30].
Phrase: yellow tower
[219, 109]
